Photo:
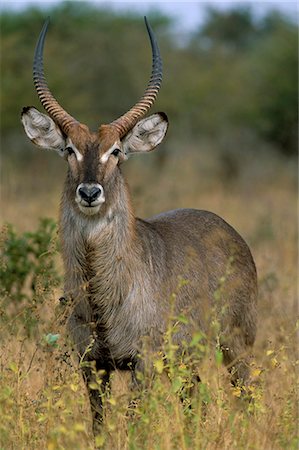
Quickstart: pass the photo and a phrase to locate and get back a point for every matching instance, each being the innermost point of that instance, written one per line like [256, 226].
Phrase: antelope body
[121, 271]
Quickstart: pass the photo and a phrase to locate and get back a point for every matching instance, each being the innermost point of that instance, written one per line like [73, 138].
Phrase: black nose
[89, 193]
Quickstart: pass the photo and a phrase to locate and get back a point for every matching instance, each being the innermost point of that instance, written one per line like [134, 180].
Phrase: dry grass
[43, 403]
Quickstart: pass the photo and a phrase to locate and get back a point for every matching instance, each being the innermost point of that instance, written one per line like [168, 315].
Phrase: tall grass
[43, 400]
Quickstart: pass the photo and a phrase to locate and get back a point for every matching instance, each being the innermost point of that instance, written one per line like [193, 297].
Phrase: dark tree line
[237, 73]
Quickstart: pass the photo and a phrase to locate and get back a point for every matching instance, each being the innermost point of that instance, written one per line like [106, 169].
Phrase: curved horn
[129, 119]
[50, 104]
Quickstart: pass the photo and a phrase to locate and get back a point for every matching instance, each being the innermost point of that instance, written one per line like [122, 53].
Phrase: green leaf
[51, 339]
[218, 357]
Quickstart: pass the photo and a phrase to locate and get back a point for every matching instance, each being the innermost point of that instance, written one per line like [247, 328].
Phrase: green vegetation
[237, 74]
[27, 272]
[25, 257]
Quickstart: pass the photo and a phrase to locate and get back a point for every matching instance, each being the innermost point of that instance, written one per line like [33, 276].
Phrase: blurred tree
[94, 66]
[236, 73]
[233, 29]
[274, 86]
[252, 77]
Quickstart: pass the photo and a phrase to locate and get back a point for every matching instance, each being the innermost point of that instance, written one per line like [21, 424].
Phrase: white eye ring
[72, 150]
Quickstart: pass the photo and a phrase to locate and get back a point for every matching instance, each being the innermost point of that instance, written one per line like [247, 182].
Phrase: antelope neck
[98, 250]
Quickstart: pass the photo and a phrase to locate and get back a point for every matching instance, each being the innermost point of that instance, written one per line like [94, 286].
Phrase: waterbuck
[121, 271]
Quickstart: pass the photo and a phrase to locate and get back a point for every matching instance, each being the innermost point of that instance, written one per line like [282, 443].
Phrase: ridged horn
[130, 118]
[61, 117]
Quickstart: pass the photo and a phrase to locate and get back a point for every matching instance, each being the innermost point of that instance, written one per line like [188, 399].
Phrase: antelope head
[94, 157]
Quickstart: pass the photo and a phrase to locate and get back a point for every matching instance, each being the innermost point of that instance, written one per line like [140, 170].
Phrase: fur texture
[121, 272]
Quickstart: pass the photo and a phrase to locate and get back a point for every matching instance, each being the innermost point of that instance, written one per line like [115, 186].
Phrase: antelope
[121, 271]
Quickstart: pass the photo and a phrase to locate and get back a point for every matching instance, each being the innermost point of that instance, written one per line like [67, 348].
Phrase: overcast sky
[188, 14]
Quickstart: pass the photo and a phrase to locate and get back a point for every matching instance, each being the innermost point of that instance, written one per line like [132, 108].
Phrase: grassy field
[43, 401]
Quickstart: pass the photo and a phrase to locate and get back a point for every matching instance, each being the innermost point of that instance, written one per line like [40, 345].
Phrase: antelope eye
[115, 152]
[69, 150]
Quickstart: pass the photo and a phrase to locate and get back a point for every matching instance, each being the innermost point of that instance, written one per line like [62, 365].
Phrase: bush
[27, 271]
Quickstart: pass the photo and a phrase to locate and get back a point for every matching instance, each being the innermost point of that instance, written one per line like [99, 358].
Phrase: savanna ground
[43, 401]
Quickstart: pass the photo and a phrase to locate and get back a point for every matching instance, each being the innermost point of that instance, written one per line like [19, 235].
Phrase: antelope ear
[146, 134]
[42, 130]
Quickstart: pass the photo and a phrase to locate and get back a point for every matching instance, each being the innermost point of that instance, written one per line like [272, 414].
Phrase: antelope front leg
[97, 382]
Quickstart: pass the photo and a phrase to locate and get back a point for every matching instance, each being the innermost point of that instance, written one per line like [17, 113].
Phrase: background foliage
[235, 74]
